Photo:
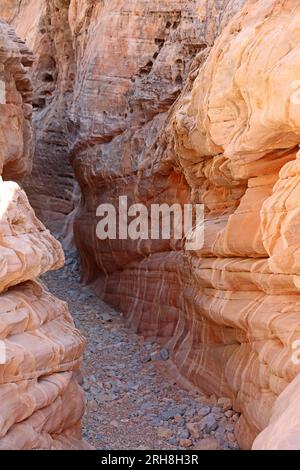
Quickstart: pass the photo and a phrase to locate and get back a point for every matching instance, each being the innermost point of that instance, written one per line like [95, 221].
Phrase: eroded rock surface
[40, 399]
[168, 101]
[229, 312]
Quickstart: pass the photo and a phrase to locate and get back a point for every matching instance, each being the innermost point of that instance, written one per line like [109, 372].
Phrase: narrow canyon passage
[160, 109]
[131, 403]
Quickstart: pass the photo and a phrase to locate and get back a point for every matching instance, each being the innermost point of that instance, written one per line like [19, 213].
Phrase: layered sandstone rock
[84, 96]
[149, 105]
[40, 351]
[229, 312]
[44, 26]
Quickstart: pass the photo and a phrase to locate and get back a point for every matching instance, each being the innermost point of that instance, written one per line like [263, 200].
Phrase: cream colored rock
[283, 431]
[163, 112]
[39, 394]
[27, 249]
[41, 403]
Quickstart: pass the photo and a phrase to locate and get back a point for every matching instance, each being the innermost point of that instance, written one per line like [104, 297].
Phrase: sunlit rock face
[40, 349]
[84, 96]
[229, 312]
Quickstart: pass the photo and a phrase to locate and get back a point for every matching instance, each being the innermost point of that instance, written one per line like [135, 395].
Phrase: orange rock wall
[229, 313]
[41, 402]
[186, 101]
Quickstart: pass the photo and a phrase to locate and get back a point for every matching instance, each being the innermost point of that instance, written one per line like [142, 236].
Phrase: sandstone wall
[145, 71]
[181, 101]
[229, 313]
[44, 26]
[41, 403]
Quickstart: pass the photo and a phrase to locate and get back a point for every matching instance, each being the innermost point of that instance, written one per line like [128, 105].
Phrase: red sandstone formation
[181, 101]
[41, 403]
[229, 312]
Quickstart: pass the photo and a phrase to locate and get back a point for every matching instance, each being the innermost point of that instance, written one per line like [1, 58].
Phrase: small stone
[225, 403]
[185, 443]
[86, 386]
[229, 413]
[204, 410]
[229, 427]
[104, 397]
[114, 423]
[106, 317]
[213, 400]
[164, 354]
[231, 437]
[210, 443]
[155, 356]
[173, 441]
[164, 433]
[220, 430]
[92, 405]
[146, 358]
[193, 430]
[235, 417]
[217, 412]
[183, 434]
[208, 423]
[172, 412]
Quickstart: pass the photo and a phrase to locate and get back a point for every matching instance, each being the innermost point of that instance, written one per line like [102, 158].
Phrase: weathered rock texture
[162, 112]
[45, 28]
[83, 95]
[41, 402]
[229, 313]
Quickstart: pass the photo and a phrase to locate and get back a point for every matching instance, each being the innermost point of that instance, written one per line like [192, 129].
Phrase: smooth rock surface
[185, 102]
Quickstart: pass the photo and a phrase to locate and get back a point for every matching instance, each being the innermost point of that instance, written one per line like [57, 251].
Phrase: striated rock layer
[41, 403]
[183, 101]
[103, 69]
[43, 24]
[229, 313]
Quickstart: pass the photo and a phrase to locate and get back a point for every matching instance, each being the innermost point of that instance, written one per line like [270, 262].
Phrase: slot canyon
[164, 102]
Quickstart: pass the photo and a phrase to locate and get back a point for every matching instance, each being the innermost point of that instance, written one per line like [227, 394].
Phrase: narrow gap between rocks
[131, 404]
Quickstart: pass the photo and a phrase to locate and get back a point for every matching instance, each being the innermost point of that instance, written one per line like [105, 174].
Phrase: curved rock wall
[44, 25]
[181, 101]
[41, 403]
[228, 313]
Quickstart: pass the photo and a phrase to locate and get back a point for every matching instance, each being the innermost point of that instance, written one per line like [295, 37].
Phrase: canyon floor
[131, 402]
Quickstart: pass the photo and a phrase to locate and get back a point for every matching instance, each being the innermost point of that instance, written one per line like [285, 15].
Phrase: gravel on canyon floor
[130, 402]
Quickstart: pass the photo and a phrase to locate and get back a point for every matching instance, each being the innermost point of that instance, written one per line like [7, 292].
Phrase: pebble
[208, 423]
[209, 443]
[225, 403]
[164, 354]
[193, 430]
[164, 433]
[185, 443]
[204, 410]
[183, 434]
[114, 423]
